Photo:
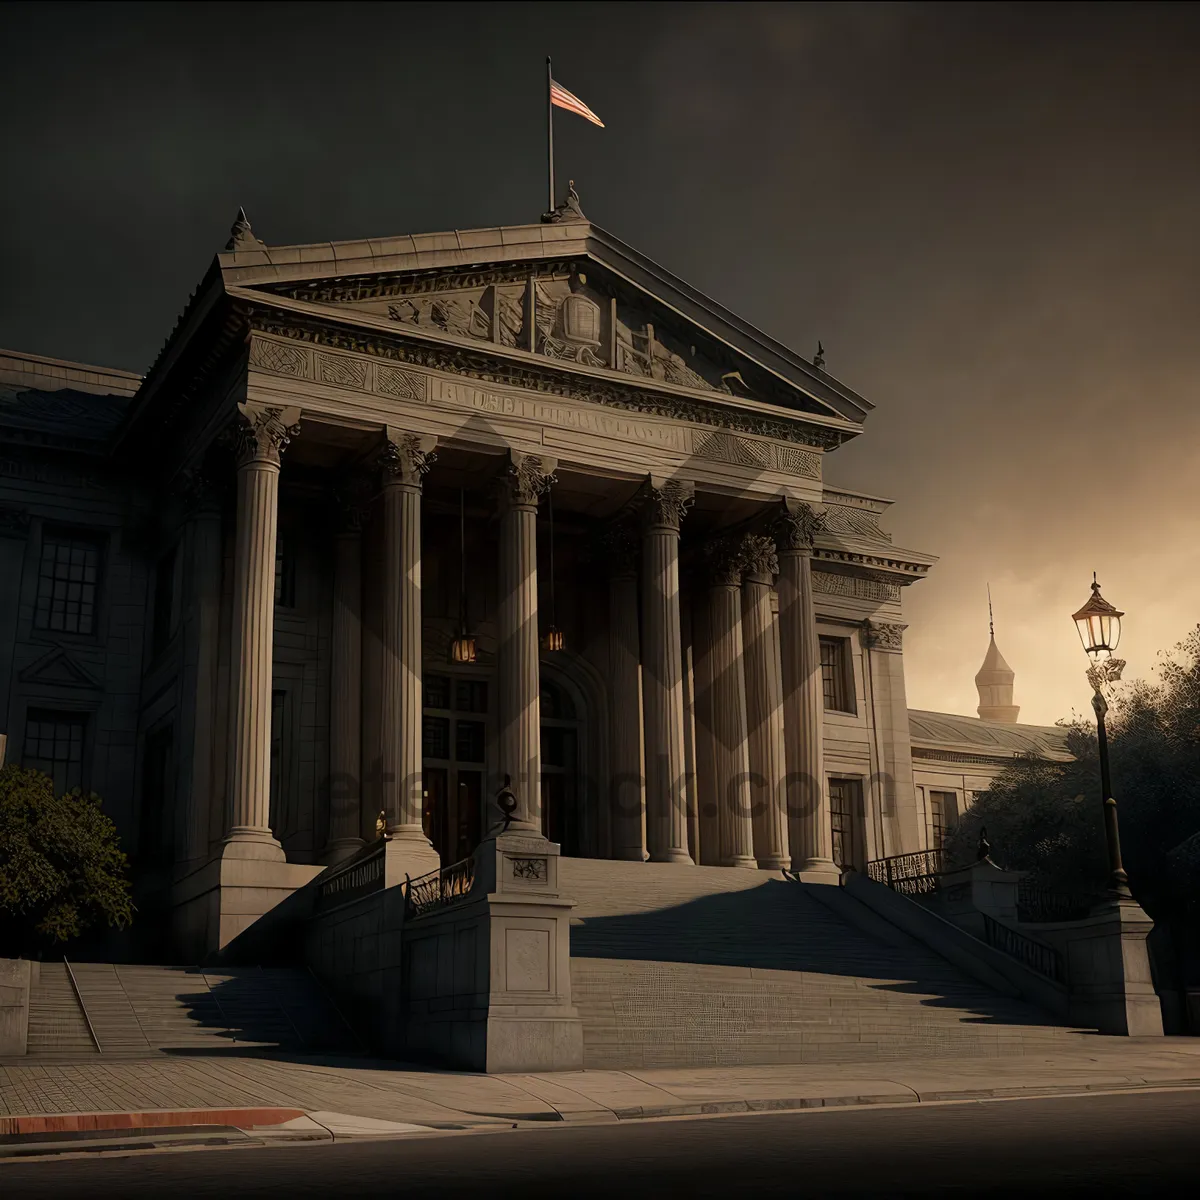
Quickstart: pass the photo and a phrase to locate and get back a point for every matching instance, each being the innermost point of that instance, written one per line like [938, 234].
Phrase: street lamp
[1099, 625]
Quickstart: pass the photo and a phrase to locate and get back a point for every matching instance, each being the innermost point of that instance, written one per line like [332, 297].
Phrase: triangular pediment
[569, 292]
[59, 667]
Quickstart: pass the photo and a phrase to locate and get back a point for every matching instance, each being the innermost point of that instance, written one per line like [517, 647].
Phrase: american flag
[561, 98]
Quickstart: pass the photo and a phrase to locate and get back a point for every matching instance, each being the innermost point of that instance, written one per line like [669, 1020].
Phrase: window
[164, 602]
[846, 821]
[54, 744]
[454, 751]
[835, 674]
[942, 811]
[68, 579]
[285, 572]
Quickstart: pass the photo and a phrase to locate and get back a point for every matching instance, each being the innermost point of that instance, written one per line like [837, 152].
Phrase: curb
[163, 1118]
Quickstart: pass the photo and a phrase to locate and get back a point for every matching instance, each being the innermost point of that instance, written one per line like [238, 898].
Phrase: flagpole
[549, 134]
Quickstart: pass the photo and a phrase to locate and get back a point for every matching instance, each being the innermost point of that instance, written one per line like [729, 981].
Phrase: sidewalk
[437, 1100]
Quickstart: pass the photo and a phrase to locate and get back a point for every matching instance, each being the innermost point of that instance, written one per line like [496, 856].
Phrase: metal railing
[1036, 903]
[357, 878]
[914, 874]
[1037, 956]
[439, 888]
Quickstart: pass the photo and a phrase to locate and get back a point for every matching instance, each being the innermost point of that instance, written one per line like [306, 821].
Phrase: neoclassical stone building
[417, 529]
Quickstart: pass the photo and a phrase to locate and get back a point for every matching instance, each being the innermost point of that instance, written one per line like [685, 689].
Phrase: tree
[62, 870]
[1047, 818]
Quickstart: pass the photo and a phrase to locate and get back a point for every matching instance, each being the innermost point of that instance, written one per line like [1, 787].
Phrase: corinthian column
[662, 670]
[627, 803]
[345, 700]
[809, 827]
[525, 479]
[261, 437]
[764, 704]
[404, 462]
[727, 704]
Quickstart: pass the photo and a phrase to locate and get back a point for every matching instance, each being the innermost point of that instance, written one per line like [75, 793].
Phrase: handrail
[82, 1006]
[439, 888]
[359, 876]
[1036, 903]
[914, 874]
[1037, 956]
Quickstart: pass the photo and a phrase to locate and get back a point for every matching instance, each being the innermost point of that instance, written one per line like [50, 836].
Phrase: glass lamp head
[1099, 625]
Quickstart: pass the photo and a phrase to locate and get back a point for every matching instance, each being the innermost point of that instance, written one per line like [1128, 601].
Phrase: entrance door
[454, 752]
[560, 769]
[847, 821]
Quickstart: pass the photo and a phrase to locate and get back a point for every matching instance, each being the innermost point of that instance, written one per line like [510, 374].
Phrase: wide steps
[142, 1010]
[678, 966]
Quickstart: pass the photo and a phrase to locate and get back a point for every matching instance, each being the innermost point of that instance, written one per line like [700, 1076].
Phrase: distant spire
[991, 623]
[241, 236]
[819, 359]
[995, 678]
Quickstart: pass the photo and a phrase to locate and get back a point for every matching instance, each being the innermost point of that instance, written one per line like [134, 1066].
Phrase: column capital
[884, 635]
[664, 501]
[723, 562]
[406, 457]
[261, 434]
[525, 478]
[760, 558]
[797, 525]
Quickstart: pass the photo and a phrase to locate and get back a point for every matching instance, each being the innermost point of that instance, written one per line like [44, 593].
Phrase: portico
[385, 462]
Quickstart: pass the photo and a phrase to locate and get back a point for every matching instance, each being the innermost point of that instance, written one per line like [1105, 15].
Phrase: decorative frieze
[885, 635]
[854, 587]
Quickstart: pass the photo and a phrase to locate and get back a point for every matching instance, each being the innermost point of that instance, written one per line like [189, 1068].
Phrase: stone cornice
[871, 566]
[493, 363]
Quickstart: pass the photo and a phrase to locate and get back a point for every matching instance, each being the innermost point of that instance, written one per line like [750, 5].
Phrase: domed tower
[995, 681]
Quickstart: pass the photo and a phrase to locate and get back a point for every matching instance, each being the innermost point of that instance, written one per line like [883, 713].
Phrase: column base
[675, 856]
[745, 861]
[776, 862]
[818, 870]
[409, 852]
[247, 842]
[340, 850]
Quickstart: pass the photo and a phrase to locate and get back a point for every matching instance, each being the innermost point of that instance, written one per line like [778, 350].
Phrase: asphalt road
[1137, 1144]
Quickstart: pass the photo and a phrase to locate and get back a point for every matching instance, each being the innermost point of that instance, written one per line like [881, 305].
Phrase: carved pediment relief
[60, 668]
[567, 311]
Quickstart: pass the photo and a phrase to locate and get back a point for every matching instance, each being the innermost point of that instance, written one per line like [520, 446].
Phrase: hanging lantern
[553, 640]
[462, 647]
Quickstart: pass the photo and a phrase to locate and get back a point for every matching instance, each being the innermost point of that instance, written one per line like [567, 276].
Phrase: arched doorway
[560, 767]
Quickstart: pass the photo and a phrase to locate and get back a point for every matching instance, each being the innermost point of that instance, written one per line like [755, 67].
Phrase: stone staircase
[706, 966]
[144, 1010]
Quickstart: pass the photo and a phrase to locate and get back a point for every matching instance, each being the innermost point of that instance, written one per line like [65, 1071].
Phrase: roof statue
[568, 210]
[819, 357]
[241, 236]
[994, 680]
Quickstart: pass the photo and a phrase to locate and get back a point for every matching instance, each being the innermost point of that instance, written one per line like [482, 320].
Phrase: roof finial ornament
[819, 358]
[568, 210]
[241, 236]
[991, 622]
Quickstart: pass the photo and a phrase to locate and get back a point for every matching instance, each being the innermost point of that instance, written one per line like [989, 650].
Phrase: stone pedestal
[404, 462]
[982, 888]
[665, 502]
[17, 976]
[488, 979]
[262, 435]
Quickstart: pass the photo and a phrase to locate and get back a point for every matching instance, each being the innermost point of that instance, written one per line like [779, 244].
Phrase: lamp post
[1099, 625]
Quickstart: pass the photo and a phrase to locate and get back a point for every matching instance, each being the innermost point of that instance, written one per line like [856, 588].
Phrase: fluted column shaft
[526, 478]
[263, 433]
[809, 828]
[728, 708]
[764, 708]
[405, 461]
[345, 702]
[627, 803]
[662, 673]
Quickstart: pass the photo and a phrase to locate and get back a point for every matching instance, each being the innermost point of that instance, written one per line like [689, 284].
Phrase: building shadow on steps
[779, 927]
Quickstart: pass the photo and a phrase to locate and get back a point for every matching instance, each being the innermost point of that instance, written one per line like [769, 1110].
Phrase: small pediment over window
[60, 668]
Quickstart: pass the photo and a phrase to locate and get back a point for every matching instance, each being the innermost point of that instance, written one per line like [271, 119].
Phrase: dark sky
[988, 214]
